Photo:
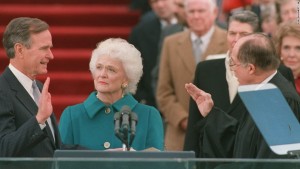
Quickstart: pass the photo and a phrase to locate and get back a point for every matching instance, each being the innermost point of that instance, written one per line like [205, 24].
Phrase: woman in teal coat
[116, 67]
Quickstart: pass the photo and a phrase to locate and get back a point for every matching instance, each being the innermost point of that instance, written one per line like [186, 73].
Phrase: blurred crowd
[175, 36]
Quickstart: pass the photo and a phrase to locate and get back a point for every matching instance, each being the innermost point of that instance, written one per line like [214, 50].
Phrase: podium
[116, 163]
[86, 159]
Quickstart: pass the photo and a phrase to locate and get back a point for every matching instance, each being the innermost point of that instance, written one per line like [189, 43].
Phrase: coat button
[106, 145]
[107, 110]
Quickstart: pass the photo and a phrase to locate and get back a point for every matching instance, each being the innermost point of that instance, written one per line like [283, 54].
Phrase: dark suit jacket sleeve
[169, 30]
[217, 133]
[141, 94]
[191, 142]
[145, 37]
[213, 82]
[195, 130]
[16, 141]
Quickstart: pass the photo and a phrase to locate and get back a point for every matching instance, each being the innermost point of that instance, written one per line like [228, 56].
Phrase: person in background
[27, 124]
[179, 11]
[269, 22]
[116, 68]
[287, 10]
[145, 37]
[288, 45]
[169, 30]
[228, 7]
[233, 133]
[215, 77]
[180, 54]
[262, 6]
[141, 5]
[231, 6]
[256, 6]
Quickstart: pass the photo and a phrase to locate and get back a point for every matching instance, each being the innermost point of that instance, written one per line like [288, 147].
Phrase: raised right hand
[45, 104]
[202, 99]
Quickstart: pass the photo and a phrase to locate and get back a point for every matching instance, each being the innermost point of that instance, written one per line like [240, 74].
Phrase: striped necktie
[36, 96]
[36, 92]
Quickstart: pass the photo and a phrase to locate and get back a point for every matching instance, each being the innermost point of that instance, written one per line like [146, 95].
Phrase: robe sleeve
[217, 134]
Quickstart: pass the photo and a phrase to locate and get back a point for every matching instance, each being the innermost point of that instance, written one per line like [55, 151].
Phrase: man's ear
[19, 49]
[251, 68]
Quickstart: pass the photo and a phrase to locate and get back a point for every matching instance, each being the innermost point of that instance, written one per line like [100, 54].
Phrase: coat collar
[185, 51]
[93, 105]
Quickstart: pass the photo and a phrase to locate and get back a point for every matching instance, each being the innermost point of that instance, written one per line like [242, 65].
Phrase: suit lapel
[26, 100]
[20, 92]
[185, 52]
[275, 79]
[214, 44]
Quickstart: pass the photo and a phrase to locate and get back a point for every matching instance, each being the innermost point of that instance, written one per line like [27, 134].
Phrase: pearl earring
[124, 85]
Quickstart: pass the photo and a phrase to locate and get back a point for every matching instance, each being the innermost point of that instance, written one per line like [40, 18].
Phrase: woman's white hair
[129, 56]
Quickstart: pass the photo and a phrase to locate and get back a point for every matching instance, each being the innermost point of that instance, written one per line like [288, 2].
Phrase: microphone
[117, 117]
[133, 121]
[125, 112]
[125, 115]
[125, 121]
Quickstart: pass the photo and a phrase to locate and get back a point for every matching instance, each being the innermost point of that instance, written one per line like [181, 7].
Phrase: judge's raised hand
[45, 104]
[202, 99]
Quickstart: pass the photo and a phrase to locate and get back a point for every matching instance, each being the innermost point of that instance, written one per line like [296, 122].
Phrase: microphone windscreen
[126, 109]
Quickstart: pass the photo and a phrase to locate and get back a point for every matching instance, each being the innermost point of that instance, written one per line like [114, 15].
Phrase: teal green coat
[89, 125]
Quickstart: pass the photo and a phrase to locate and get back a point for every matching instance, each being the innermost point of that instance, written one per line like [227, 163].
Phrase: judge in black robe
[233, 134]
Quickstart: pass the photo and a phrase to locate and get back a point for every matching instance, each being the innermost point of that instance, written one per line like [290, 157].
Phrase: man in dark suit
[216, 78]
[167, 31]
[141, 5]
[233, 134]
[145, 37]
[27, 123]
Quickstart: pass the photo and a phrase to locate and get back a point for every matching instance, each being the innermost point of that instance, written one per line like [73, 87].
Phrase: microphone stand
[120, 132]
[127, 120]
[133, 122]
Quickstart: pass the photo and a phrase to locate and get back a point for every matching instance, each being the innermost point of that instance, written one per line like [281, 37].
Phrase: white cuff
[42, 126]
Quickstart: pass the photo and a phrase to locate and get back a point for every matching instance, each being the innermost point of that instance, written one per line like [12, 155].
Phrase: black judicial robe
[210, 76]
[233, 134]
